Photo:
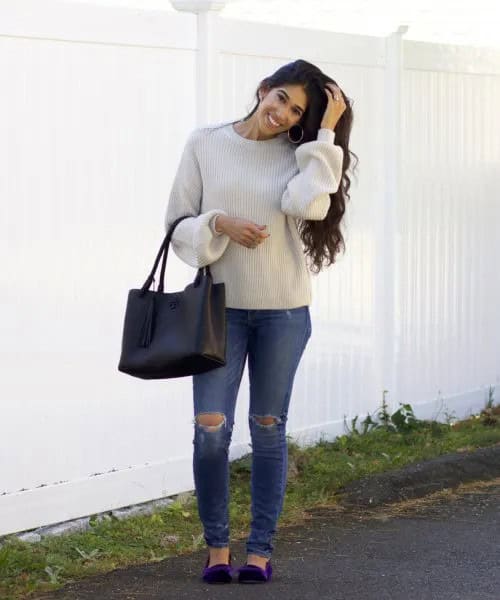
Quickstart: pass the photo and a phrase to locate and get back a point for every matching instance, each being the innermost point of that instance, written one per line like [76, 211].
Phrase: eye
[295, 110]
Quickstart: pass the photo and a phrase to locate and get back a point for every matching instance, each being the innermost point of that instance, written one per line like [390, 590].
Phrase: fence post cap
[198, 6]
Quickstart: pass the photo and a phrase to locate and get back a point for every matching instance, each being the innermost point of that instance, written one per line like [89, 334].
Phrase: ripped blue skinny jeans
[274, 340]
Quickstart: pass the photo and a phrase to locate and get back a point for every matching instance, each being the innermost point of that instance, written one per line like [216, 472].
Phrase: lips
[272, 122]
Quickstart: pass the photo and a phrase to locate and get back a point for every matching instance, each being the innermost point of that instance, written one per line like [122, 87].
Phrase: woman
[260, 190]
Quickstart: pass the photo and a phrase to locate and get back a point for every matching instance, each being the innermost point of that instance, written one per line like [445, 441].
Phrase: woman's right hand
[244, 232]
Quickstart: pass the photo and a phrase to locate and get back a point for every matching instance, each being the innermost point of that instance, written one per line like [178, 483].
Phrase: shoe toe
[254, 574]
[220, 573]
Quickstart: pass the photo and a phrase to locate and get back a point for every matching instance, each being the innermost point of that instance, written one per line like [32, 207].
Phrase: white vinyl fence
[96, 105]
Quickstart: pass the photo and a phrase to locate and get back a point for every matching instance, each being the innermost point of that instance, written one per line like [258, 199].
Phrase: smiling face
[280, 108]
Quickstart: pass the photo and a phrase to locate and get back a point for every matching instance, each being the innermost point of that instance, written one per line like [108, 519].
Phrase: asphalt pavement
[443, 545]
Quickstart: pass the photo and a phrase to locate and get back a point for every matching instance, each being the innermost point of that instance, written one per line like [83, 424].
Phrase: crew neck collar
[277, 139]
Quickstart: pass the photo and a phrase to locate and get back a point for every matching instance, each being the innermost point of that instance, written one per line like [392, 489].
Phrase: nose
[278, 115]
[282, 114]
[283, 117]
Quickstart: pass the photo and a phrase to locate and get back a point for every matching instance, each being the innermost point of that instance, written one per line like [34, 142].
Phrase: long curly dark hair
[323, 239]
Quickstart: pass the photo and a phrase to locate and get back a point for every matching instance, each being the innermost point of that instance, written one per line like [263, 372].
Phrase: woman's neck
[250, 130]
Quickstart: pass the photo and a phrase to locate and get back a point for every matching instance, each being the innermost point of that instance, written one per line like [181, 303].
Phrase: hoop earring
[296, 141]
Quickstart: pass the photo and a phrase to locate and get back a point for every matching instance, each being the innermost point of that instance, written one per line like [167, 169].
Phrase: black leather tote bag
[174, 334]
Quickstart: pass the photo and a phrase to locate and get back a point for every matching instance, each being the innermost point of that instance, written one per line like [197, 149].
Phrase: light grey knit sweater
[270, 182]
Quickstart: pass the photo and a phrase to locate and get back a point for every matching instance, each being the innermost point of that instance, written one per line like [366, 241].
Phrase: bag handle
[164, 251]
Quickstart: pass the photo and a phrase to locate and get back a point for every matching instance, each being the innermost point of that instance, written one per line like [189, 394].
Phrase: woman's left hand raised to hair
[334, 108]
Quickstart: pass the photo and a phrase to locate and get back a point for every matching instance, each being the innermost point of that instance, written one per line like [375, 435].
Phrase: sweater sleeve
[194, 240]
[307, 195]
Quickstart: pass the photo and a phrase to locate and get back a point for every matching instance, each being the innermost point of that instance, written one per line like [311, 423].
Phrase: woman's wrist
[219, 222]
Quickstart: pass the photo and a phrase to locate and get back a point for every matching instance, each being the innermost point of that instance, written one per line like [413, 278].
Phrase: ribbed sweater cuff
[212, 223]
[326, 135]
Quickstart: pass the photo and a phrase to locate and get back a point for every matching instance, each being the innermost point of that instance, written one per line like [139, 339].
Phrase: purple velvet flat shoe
[254, 574]
[220, 573]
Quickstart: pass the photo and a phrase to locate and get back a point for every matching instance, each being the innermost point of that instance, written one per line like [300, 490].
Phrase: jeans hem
[218, 544]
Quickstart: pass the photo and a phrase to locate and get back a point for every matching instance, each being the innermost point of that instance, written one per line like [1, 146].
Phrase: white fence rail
[95, 108]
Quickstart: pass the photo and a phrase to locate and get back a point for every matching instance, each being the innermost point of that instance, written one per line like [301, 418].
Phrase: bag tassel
[147, 327]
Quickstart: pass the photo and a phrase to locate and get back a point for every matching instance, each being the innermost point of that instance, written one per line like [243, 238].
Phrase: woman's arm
[194, 239]
[307, 195]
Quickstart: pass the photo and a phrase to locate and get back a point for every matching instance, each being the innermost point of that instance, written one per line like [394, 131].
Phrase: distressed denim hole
[210, 421]
[267, 421]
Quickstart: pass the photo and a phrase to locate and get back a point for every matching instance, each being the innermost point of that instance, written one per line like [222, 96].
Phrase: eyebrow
[296, 106]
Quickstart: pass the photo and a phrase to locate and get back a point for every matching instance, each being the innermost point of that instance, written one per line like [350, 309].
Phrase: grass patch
[315, 474]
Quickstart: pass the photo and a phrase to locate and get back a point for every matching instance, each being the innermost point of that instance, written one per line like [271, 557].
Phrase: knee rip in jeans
[266, 421]
[211, 421]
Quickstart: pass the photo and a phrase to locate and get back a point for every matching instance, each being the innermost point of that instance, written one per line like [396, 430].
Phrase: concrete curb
[422, 478]
[34, 536]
